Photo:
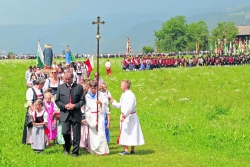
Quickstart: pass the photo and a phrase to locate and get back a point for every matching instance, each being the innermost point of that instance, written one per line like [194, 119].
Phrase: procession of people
[138, 63]
[65, 109]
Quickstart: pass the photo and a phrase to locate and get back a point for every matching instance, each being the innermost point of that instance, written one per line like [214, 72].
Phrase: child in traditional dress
[84, 70]
[49, 107]
[107, 96]
[56, 116]
[84, 125]
[84, 132]
[97, 139]
[31, 80]
[40, 119]
[79, 74]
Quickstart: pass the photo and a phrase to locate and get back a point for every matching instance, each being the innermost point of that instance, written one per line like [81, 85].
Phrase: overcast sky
[44, 11]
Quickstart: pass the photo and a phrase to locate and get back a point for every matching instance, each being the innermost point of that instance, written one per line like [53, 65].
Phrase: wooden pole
[97, 68]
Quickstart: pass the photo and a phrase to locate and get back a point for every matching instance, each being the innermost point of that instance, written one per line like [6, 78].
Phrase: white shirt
[127, 103]
[106, 95]
[107, 64]
[48, 82]
[27, 75]
[30, 94]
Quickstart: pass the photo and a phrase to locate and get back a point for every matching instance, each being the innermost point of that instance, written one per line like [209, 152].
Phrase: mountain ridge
[80, 33]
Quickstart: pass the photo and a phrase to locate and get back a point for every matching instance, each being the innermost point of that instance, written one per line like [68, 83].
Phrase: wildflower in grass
[237, 90]
[184, 99]
[174, 90]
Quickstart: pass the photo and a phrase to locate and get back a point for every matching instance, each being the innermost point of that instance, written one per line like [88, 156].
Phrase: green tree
[197, 33]
[147, 49]
[224, 30]
[172, 36]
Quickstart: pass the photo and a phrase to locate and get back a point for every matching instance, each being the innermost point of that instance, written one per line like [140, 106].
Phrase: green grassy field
[189, 117]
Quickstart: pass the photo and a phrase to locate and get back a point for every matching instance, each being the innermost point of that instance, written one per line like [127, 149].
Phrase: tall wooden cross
[97, 37]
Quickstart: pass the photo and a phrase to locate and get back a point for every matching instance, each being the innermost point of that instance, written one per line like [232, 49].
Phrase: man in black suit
[70, 98]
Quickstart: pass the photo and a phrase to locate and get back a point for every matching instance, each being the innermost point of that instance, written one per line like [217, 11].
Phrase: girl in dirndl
[79, 74]
[50, 109]
[39, 130]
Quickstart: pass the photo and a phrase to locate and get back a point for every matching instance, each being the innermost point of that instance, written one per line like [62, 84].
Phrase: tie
[70, 97]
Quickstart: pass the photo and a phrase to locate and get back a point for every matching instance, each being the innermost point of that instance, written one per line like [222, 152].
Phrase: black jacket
[63, 96]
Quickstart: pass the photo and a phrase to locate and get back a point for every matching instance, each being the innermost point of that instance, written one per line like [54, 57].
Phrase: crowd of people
[76, 55]
[102, 55]
[64, 108]
[79, 70]
[152, 62]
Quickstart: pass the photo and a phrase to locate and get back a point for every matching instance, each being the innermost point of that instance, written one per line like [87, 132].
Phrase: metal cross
[98, 25]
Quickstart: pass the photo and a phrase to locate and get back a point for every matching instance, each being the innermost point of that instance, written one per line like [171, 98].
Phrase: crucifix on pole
[98, 22]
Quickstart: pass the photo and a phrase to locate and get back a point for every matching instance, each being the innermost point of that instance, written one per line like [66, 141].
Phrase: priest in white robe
[130, 129]
[97, 138]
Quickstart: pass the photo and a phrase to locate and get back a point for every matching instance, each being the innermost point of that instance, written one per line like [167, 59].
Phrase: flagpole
[98, 36]
[127, 47]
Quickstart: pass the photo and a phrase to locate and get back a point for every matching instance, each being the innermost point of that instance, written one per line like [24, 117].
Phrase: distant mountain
[239, 15]
[140, 35]
[80, 35]
[78, 32]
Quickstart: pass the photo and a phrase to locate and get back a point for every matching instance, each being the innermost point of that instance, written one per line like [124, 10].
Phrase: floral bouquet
[27, 104]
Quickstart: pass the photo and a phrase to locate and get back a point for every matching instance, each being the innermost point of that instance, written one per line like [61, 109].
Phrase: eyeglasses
[54, 72]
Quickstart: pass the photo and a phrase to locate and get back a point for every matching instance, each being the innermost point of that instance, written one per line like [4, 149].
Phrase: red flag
[128, 48]
[90, 63]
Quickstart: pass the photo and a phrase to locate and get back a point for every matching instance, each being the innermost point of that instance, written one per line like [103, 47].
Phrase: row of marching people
[153, 62]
